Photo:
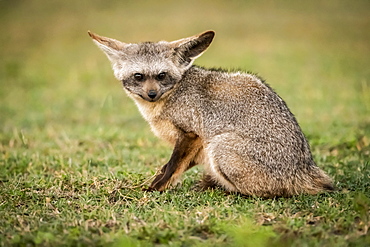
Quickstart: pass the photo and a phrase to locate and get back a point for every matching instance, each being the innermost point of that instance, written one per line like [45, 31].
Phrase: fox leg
[186, 149]
[230, 166]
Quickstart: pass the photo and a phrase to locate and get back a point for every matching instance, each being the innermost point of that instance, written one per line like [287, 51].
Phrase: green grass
[74, 151]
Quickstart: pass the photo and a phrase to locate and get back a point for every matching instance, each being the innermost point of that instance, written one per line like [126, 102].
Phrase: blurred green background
[74, 149]
[315, 54]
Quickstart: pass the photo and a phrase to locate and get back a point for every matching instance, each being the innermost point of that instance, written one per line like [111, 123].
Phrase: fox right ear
[188, 49]
[111, 47]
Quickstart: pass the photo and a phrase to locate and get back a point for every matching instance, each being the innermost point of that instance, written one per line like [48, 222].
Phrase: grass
[74, 150]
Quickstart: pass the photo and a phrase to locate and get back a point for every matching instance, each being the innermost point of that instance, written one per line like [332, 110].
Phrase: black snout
[152, 94]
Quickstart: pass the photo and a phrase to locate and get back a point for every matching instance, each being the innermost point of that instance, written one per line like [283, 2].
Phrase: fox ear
[111, 47]
[188, 49]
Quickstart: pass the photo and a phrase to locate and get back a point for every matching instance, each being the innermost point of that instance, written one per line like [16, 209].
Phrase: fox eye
[161, 76]
[138, 76]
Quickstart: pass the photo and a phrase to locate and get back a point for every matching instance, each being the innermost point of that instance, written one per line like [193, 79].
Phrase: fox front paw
[151, 189]
[148, 189]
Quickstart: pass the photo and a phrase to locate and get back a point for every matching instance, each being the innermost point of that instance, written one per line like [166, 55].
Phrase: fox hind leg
[230, 166]
[220, 161]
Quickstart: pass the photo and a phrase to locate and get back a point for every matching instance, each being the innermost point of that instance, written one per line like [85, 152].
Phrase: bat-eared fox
[231, 122]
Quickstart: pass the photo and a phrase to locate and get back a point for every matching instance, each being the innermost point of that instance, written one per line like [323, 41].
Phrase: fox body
[233, 123]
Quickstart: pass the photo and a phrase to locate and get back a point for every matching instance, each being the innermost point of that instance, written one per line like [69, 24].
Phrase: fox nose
[152, 94]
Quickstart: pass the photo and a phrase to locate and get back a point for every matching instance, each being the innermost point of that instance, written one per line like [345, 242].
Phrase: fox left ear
[111, 47]
[188, 49]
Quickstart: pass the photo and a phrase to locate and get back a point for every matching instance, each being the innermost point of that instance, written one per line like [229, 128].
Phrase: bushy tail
[316, 181]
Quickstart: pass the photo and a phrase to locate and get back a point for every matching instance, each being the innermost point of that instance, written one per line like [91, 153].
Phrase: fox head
[149, 71]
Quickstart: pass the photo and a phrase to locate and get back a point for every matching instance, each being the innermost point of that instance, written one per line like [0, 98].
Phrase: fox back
[233, 123]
